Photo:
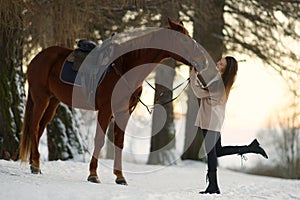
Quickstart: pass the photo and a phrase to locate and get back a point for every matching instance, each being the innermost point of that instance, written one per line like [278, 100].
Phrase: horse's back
[49, 56]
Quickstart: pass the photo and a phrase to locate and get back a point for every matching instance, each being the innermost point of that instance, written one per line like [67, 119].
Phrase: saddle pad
[68, 75]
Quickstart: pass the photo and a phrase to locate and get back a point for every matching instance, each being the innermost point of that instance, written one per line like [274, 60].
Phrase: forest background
[265, 32]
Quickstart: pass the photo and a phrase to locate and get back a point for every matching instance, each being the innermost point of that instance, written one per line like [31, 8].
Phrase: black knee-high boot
[212, 187]
[212, 162]
[254, 147]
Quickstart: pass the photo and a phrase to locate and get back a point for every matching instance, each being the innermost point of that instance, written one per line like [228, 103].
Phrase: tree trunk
[163, 140]
[63, 136]
[12, 95]
[208, 26]
[193, 135]
[64, 140]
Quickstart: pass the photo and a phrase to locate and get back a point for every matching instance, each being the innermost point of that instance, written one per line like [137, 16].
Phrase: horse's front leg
[103, 120]
[118, 142]
[121, 120]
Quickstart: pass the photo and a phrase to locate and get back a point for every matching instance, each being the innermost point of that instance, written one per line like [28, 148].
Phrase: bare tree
[267, 30]
[162, 144]
[163, 141]
[61, 23]
[12, 93]
[283, 136]
[258, 28]
[133, 14]
[208, 23]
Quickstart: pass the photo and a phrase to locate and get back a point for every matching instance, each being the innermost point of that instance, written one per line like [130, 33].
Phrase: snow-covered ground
[67, 180]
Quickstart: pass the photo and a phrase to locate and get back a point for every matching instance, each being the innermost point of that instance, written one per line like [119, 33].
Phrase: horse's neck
[145, 56]
[137, 65]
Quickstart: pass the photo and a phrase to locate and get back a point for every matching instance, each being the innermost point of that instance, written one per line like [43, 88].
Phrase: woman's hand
[194, 71]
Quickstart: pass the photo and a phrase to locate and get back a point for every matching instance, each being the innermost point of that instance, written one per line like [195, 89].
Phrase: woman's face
[221, 65]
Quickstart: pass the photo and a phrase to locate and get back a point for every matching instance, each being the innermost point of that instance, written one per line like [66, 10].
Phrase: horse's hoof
[35, 170]
[93, 179]
[121, 181]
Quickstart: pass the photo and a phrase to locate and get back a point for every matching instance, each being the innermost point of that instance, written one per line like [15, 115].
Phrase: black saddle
[80, 53]
[75, 59]
[86, 45]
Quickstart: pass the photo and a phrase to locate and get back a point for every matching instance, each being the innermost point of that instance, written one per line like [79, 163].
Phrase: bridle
[187, 81]
[150, 108]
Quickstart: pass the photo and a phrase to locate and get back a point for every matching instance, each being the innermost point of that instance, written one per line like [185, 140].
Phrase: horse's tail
[25, 144]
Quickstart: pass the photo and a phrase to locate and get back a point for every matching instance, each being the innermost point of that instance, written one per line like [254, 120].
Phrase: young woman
[211, 116]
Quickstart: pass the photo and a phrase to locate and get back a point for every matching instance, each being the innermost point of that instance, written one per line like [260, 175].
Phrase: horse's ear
[177, 26]
[171, 23]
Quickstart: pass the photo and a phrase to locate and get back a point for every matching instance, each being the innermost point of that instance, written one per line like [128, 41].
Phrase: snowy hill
[67, 180]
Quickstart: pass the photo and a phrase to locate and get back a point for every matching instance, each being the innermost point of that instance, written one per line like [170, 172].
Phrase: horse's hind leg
[103, 121]
[39, 108]
[48, 115]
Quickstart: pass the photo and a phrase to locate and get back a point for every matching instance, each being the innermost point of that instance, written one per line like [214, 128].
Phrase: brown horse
[46, 91]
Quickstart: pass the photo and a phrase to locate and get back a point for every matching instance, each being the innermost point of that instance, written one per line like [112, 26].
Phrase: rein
[175, 88]
[150, 108]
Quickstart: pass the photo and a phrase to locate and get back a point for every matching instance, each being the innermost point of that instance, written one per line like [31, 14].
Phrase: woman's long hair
[230, 74]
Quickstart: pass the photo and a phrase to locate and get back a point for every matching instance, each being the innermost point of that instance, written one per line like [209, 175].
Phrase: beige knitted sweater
[211, 113]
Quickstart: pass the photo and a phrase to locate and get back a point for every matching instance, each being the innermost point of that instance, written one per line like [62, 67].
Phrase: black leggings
[214, 149]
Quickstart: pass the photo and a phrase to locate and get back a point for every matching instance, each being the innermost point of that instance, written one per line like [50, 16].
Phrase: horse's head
[177, 27]
[179, 43]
